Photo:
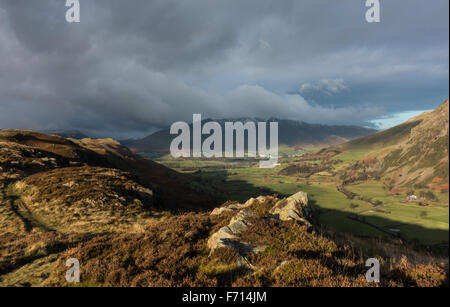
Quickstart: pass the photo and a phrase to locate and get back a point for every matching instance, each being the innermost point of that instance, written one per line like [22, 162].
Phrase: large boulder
[300, 197]
[220, 238]
[294, 208]
[227, 235]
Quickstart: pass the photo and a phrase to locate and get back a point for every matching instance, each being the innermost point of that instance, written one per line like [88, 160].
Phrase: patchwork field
[134, 222]
[424, 224]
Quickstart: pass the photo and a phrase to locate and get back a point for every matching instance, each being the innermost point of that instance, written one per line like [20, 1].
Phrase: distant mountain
[290, 132]
[73, 134]
[122, 216]
[413, 153]
[127, 142]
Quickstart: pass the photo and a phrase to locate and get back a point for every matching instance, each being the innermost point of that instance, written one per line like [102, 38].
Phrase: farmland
[415, 222]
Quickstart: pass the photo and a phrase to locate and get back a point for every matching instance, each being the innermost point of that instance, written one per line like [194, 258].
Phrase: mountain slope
[97, 201]
[413, 153]
[291, 133]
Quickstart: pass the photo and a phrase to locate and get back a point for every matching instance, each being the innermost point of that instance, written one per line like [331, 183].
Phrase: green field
[240, 180]
[352, 155]
[428, 224]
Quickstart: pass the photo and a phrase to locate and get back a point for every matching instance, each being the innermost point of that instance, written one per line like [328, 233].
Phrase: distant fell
[290, 132]
[412, 153]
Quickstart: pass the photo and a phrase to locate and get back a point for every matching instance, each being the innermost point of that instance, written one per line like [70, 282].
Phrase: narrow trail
[11, 202]
[22, 211]
[27, 222]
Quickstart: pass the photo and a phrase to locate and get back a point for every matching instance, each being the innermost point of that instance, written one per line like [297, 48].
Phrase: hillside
[236, 245]
[121, 216]
[56, 193]
[24, 153]
[292, 133]
[414, 153]
[233, 245]
[392, 183]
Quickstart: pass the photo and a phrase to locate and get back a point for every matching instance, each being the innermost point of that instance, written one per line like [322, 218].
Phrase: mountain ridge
[292, 133]
[412, 153]
[134, 222]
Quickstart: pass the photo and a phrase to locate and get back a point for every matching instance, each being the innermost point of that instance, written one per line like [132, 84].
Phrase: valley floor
[52, 209]
[414, 222]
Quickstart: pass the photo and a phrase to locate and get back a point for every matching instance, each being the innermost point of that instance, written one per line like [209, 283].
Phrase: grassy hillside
[361, 187]
[24, 153]
[98, 202]
[411, 155]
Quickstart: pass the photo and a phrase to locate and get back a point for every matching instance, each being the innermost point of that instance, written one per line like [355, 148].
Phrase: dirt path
[29, 220]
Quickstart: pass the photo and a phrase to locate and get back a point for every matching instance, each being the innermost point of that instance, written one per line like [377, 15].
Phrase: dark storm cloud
[131, 66]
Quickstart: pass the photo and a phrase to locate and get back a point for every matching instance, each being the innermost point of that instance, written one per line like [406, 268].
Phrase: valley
[382, 170]
[313, 220]
[238, 181]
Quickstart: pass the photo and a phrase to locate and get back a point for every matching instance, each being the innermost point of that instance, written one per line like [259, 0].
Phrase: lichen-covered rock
[294, 208]
[251, 202]
[233, 207]
[301, 197]
[238, 227]
[227, 235]
[243, 215]
[220, 238]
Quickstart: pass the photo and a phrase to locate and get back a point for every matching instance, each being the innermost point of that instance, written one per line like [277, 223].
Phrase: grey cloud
[327, 86]
[132, 66]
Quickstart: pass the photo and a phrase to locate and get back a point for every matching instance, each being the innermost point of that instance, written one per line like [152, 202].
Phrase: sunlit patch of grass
[352, 155]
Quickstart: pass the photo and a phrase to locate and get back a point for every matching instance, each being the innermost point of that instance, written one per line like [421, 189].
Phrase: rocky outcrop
[293, 208]
[227, 236]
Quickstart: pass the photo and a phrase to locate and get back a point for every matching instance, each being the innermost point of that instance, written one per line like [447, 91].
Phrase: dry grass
[87, 199]
[174, 253]
[106, 217]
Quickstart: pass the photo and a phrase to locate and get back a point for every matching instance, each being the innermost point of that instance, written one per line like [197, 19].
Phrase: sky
[130, 67]
[388, 121]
